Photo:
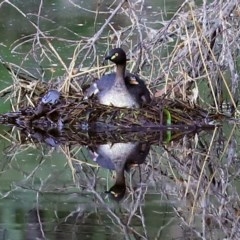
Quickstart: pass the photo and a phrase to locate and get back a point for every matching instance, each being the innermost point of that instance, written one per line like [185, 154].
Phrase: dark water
[177, 186]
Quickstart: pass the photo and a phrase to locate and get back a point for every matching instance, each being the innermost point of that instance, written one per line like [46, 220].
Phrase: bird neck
[120, 178]
[120, 71]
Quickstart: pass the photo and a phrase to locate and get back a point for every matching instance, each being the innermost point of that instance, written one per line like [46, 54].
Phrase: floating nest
[37, 110]
[92, 116]
[89, 123]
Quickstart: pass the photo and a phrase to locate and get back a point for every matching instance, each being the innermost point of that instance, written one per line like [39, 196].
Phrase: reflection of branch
[207, 185]
[38, 213]
[89, 176]
[14, 6]
[136, 205]
[205, 161]
[82, 8]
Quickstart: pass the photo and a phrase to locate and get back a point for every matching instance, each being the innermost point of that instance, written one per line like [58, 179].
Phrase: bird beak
[108, 57]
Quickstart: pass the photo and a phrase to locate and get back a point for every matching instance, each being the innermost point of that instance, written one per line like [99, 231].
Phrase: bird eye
[114, 56]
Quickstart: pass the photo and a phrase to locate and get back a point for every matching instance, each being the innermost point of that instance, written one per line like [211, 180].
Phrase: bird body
[120, 89]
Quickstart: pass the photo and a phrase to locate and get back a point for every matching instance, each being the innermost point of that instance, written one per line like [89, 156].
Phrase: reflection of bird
[119, 156]
[137, 156]
[34, 226]
[120, 89]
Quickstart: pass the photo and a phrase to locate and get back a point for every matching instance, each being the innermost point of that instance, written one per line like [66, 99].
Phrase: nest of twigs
[91, 116]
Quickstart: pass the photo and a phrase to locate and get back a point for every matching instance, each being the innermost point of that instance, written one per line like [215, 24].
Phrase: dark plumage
[120, 89]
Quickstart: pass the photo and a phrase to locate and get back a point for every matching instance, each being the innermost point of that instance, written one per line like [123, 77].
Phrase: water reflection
[35, 228]
[120, 157]
[122, 186]
[156, 185]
